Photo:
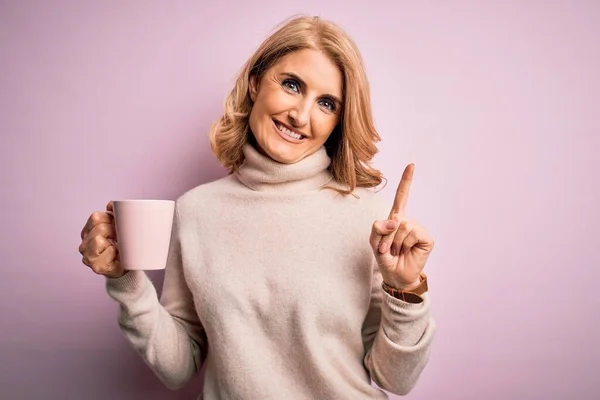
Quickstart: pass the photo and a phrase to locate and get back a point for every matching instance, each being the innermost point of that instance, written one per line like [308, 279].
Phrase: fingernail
[390, 224]
[383, 247]
[393, 251]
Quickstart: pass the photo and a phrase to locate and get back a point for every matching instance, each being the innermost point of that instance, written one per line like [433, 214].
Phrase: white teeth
[288, 132]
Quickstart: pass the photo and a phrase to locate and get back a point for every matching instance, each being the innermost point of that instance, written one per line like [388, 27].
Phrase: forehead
[314, 68]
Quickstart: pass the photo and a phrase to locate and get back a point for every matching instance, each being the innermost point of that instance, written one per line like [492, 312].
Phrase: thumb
[113, 242]
[110, 207]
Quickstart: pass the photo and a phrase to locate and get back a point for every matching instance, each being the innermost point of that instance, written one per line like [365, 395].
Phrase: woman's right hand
[99, 246]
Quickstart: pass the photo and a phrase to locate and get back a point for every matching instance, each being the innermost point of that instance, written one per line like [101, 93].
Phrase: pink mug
[143, 232]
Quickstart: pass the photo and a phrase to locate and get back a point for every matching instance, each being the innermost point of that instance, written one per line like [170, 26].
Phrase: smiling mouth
[283, 129]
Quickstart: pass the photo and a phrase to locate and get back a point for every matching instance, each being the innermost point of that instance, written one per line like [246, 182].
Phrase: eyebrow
[296, 77]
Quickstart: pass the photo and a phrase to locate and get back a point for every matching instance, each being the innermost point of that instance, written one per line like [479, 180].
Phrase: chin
[282, 153]
[278, 150]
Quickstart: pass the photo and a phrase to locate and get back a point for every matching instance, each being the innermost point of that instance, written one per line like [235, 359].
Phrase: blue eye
[328, 104]
[291, 85]
[296, 87]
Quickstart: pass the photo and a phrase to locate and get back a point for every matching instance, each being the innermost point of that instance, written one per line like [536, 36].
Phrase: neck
[261, 173]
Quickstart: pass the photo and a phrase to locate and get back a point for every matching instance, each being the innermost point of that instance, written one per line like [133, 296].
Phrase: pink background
[497, 103]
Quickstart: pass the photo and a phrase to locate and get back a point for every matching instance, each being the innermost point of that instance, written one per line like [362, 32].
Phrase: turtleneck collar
[261, 173]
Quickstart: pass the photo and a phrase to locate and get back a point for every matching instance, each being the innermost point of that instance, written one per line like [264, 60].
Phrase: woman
[290, 278]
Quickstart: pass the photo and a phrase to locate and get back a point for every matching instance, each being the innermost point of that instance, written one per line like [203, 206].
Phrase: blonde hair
[351, 145]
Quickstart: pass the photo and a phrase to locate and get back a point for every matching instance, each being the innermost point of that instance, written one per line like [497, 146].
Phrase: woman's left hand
[401, 246]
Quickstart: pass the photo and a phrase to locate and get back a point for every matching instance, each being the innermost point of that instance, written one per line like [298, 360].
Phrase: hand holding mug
[144, 230]
[99, 246]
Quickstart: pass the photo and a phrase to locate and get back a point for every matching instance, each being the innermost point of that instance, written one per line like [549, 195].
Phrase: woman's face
[297, 105]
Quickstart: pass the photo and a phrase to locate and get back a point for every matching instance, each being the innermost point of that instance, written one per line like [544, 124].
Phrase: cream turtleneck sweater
[272, 283]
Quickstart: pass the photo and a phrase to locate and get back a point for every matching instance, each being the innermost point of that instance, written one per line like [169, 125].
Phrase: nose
[299, 115]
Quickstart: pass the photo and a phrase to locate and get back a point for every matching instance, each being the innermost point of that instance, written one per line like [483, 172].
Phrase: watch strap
[413, 295]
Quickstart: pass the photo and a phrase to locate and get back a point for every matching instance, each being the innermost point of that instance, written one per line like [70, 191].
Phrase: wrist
[402, 285]
[411, 293]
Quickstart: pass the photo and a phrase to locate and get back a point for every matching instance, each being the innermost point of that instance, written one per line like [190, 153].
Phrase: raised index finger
[403, 190]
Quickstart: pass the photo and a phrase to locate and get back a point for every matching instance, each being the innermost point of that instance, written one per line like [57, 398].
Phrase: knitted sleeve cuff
[129, 283]
[402, 322]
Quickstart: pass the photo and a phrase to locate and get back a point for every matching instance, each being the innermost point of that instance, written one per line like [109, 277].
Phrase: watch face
[410, 297]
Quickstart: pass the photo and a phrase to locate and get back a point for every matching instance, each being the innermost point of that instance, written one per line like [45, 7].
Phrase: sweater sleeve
[167, 333]
[397, 337]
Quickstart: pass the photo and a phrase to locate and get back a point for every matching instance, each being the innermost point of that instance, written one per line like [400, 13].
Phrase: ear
[253, 87]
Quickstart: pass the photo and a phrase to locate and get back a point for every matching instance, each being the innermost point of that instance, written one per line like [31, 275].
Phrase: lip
[286, 137]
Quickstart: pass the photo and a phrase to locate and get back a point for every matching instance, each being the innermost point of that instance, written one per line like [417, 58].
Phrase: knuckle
[108, 230]
[376, 227]
[110, 252]
[97, 217]
[103, 230]
[98, 268]
[98, 240]
[111, 266]
[405, 225]
[94, 246]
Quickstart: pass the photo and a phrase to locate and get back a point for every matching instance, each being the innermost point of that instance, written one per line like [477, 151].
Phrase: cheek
[272, 100]
[254, 120]
[323, 125]
[260, 109]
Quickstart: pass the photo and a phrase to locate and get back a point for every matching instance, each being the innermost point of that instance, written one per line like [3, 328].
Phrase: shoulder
[201, 197]
[374, 202]
[367, 203]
